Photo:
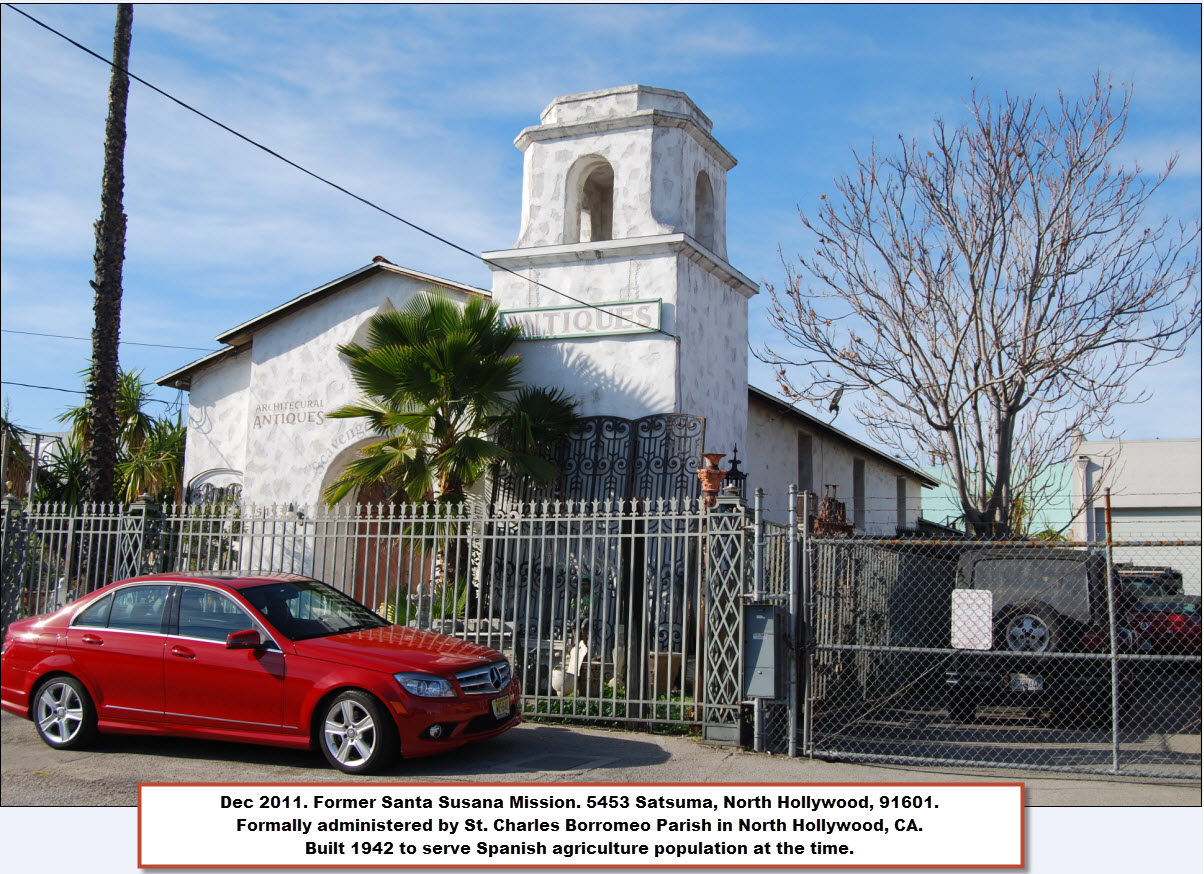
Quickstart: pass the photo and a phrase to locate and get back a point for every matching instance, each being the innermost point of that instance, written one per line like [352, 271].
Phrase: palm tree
[441, 387]
[155, 465]
[66, 478]
[102, 445]
[150, 451]
[133, 421]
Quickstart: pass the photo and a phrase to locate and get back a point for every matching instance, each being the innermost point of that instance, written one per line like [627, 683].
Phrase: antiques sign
[308, 411]
[621, 317]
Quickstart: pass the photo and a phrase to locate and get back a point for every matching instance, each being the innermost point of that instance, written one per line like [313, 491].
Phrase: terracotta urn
[711, 476]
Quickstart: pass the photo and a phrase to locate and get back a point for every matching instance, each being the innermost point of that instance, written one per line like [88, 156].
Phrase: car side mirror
[246, 639]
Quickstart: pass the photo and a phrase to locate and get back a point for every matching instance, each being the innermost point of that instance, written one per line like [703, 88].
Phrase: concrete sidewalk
[554, 753]
[109, 774]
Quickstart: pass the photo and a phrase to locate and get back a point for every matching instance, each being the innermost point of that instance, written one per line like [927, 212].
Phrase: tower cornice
[632, 247]
[644, 118]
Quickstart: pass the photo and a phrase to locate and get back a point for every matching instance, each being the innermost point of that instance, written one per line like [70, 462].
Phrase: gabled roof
[817, 424]
[240, 336]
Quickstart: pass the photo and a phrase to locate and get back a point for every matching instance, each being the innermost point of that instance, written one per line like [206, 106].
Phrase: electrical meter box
[763, 644]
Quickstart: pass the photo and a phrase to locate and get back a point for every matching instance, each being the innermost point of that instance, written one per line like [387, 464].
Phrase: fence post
[725, 570]
[793, 623]
[1113, 658]
[758, 594]
[12, 560]
[138, 551]
[806, 634]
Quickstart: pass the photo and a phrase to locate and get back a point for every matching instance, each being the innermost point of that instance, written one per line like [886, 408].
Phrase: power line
[74, 391]
[326, 181]
[123, 342]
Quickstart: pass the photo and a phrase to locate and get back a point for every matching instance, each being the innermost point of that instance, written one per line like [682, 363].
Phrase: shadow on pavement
[524, 753]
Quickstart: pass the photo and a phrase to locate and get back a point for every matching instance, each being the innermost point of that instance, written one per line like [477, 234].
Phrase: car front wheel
[63, 714]
[356, 734]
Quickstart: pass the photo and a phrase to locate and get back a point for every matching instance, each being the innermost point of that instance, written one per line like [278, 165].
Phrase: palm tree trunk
[109, 257]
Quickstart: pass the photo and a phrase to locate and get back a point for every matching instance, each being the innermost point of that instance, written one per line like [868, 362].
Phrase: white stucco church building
[621, 280]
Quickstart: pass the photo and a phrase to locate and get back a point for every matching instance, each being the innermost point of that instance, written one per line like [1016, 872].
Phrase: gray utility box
[762, 651]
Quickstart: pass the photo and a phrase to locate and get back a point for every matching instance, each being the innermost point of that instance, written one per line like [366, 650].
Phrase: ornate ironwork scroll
[609, 458]
[667, 452]
[598, 463]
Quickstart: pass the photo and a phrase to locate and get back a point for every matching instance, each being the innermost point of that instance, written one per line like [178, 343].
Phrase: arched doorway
[380, 560]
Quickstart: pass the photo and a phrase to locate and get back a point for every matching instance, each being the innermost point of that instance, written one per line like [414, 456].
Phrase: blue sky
[417, 108]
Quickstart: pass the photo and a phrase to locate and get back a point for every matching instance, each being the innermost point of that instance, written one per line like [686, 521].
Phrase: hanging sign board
[971, 619]
[604, 319]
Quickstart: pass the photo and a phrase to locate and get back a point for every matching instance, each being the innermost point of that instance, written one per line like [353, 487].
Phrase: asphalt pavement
[108, 775]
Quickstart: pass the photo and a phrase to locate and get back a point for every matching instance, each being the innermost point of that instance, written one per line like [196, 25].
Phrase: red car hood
[394, 648]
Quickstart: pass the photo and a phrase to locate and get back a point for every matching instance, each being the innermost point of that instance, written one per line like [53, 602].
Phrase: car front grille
[485, 681]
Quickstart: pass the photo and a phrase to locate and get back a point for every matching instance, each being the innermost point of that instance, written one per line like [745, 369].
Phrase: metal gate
[974, 654]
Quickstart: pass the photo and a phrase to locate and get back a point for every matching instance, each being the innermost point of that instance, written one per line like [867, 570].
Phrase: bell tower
[620, 273]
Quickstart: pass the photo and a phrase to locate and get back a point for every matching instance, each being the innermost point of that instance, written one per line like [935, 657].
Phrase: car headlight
[426, 685]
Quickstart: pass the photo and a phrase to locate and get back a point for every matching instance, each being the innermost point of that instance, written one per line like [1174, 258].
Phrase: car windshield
[304, 609]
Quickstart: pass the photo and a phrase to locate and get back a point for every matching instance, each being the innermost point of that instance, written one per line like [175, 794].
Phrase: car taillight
[1176, 621]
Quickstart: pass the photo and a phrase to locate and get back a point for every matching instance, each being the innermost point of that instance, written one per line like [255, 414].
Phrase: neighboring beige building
[1154, 488]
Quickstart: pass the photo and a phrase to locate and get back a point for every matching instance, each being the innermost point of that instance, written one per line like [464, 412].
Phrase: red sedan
[272, 659]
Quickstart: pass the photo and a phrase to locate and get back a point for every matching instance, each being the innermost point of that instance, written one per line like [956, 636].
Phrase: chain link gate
[1071, 657]
[1028, 655]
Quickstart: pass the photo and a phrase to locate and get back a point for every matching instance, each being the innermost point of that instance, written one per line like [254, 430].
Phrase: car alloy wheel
[63, 714]
[1028, 632]
[357, 735]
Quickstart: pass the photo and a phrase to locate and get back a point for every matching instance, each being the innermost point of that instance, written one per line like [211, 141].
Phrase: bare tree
[108, 260]
[991, 294]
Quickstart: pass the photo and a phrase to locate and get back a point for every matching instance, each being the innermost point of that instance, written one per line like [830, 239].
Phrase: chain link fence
[1028, 655]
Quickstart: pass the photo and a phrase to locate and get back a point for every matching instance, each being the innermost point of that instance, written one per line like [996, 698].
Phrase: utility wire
[326, 181]
[75, 391]
[123, 342]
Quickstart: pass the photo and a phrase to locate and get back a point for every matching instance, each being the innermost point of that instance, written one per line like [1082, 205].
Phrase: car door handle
[183, 652]
[92, 639]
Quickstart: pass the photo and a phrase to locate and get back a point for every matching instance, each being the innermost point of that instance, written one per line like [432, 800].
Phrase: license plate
[1025, 683]
[500, 707]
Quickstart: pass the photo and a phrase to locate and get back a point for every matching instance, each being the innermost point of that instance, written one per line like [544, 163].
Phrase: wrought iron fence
[604, 608]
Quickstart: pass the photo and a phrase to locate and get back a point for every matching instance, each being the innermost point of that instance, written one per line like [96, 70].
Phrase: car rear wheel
[356, 734]
[63, 714]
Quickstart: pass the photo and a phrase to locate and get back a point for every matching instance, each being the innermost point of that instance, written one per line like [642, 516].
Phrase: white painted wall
[655, 140]
[265, 411]
[771, 458]
[216, 439]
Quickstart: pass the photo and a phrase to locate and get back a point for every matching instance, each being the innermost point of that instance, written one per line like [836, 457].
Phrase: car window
[211, 615]
[138, 608]
[301, 609]
[1062, 584]
[96, 615]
